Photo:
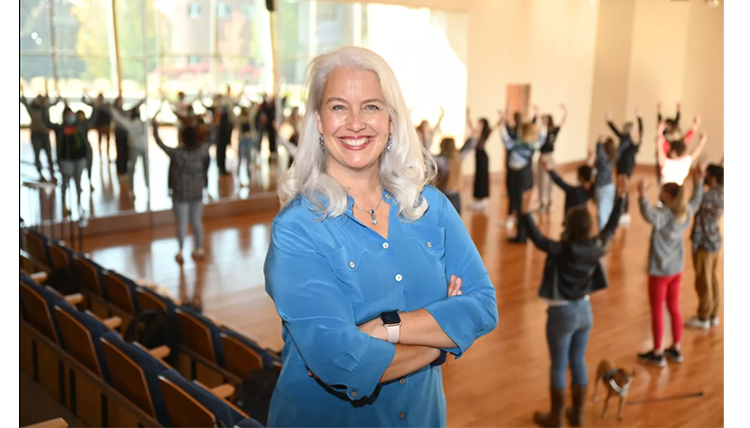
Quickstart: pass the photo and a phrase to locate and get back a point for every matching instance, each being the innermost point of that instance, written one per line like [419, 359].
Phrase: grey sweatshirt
[666, 256]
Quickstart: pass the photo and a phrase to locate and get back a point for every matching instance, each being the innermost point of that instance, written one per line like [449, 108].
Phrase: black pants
[225, 139]
[519, 181]
[121, 145]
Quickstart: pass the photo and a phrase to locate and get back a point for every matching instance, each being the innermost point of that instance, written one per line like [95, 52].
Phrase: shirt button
[351, 265]
[354, 394]
[401, 415]
[387, 196]
[402, 381]
[385, 245]
[429, 244]
[399, 277]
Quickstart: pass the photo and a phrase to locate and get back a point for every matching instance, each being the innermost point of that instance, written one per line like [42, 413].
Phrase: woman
[426, 133]
[520, 171]
[71, 150]
[666, 261]
[187, 178]
[84, 130]
[481, 132]
[449, 168]
[137, 142]
[357, 261]
[546, 151]
[572, 272]
[103, 122]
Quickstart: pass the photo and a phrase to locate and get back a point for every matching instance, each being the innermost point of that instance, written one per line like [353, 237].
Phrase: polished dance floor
[504, 377]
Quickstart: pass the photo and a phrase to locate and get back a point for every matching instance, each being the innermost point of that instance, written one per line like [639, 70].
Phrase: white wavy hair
[404, 171]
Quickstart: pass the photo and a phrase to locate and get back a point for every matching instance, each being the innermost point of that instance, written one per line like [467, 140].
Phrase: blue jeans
[605, 202]
[568, 329]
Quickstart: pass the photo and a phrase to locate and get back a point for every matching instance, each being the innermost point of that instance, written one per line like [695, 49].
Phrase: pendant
[372, 214]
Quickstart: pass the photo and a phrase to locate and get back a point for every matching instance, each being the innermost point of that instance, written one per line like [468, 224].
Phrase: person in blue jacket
[372, 271]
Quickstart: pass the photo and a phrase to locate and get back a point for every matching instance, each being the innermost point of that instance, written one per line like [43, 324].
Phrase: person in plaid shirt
[706, 239]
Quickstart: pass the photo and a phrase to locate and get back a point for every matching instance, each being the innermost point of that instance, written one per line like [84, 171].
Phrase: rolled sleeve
[316, 311]
[473, 314]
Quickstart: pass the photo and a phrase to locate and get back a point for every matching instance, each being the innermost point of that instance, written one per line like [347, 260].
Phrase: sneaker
[509, 223]
[697, 323]
[198, 254]
[674, 355]
[625, 218]
[715, 322]
[650, 358]
[179, 258]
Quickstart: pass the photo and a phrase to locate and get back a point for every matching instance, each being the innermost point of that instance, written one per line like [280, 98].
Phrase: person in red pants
[667, 261]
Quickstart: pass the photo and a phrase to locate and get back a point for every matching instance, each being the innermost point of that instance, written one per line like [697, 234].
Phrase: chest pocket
[359, 269]
[427, 249]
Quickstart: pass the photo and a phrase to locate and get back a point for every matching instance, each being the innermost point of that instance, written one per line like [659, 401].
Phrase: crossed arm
[346, 356]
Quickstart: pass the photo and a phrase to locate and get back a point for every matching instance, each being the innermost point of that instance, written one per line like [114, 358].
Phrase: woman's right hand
[454, 286]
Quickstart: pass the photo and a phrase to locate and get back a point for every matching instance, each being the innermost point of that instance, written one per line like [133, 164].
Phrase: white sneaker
[198, 254]
[625, 218]
[697, 324]
[509, 223]
[715, 322]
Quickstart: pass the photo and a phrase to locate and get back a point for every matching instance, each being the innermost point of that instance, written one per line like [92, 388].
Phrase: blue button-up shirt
[327, 277]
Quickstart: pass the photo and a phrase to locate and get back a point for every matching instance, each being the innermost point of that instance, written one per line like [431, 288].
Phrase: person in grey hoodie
[666, 261]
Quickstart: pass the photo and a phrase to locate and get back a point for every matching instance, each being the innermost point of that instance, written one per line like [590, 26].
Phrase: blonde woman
[371, 270]
[666, 261]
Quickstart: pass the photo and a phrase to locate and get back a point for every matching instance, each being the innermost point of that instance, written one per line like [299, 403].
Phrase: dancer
[84, 130]
[71, 151]
[266, 120]
[630, 142]
[181, 108]
[574, 195]
[137, 144]
[481, 132]
[706, 238]
[520, 173]
[604, 162]
[546, 152]
[675, 166]
[103, 123]
[449, 168]
[39, 132]
[121, 134]
[667, 261]
[249, 147]
[187, 186]
[293, 120]
[571, 273]
[427, 134]
[224, 121]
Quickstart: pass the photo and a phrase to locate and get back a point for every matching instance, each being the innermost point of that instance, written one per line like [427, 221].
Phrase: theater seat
[121, 291]
[190, 405]
[80, 333]
[135, 373]
[38, 305]
[200, 335]
[242, 355]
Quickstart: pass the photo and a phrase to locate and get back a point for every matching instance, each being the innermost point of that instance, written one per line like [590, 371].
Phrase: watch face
[390, 318]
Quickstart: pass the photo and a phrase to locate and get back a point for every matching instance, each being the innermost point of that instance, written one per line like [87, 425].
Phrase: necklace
[372, 211]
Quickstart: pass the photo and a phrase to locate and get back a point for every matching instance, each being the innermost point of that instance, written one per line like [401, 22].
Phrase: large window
[433, 53]
[69, 46]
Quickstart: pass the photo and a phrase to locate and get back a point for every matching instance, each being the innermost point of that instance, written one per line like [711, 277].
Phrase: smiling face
[354, 121]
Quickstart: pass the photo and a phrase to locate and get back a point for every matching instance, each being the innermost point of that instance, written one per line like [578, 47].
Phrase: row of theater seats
[215, 356]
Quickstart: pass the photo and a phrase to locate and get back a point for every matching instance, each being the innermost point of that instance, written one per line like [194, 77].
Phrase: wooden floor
[505, 375]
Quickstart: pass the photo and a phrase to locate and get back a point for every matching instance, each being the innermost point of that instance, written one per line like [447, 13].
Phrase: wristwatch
[392, 323]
